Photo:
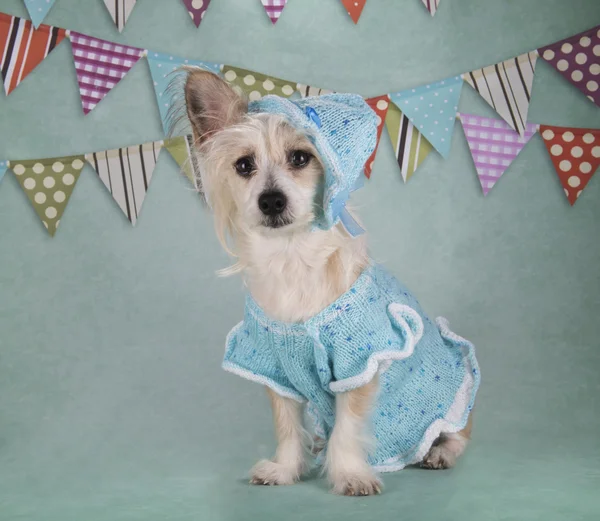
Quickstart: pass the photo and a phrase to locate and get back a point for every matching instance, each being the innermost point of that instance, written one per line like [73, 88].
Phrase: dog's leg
[347, 466]
[288, 463]
[447, 448]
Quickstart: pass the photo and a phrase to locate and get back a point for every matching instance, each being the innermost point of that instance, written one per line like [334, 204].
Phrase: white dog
[272, 180]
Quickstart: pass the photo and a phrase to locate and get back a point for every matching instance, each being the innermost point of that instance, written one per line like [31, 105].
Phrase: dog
[263, 174]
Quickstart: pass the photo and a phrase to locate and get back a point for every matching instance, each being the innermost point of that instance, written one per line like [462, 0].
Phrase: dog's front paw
[364, 484]
[267, 472]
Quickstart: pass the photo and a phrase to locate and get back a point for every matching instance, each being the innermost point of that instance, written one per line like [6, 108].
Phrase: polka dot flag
[197, 9]
[578, 59]
[354, 8]
[3, 167]
[380, 105]
[168, 83]
[432, 109]
[38, 9]
[255, 85]
[575, 153]
[48, 184]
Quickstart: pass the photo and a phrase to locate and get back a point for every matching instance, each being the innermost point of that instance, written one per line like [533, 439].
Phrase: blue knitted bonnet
[343, 128]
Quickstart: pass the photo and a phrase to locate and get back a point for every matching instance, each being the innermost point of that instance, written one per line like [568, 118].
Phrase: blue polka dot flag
[38, 9]
[432, 110]
[3, 167]
[168, 83]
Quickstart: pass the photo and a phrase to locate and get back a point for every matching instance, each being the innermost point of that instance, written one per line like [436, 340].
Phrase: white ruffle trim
[380, 362]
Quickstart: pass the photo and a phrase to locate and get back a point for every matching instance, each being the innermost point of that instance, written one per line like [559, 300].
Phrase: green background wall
[112, 402]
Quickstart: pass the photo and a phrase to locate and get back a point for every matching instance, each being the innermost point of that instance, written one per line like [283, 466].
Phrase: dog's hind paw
[267, 472]
[439, 457]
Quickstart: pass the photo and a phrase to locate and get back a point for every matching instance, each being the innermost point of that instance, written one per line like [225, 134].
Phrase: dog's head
[258, 173]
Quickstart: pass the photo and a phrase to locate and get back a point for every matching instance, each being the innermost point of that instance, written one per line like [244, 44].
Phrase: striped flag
[494, 146]
[506, 86]
[126, 173]
[380, 105]
[306, 90]
[38, 9]
[354, 8]
[274, 8]
[197, 9]
[410, 147]
[23, 48]
[119, 11]
[100, 65]
[432, 5]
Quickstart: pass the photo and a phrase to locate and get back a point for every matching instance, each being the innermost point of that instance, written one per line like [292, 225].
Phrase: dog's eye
[245, 165]
[299, 158]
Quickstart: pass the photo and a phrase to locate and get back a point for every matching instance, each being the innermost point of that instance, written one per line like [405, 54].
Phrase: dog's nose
[272, 203]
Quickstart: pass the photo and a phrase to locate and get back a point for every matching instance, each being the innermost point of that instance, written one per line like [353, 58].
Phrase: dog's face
[258, 172]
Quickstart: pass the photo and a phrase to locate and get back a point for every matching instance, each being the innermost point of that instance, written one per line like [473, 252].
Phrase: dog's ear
[211, 104]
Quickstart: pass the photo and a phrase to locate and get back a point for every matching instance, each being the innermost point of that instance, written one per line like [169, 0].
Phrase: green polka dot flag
[49, 183]
[256, 85]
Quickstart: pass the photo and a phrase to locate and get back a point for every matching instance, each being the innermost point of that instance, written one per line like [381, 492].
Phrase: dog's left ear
[211, 104]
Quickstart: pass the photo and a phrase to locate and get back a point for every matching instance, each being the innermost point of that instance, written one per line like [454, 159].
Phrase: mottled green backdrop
[112, 403]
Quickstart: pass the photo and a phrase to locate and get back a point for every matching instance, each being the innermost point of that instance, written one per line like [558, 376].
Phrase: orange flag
[380, 105]
[354, 8]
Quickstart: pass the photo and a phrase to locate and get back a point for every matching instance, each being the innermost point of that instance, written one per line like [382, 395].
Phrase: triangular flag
[432, 5]
[410, 147]
[197, 8]
[432, 110]
[256, 85]
[494, 146]
[380, 105]
[22, 48]
[169, 83]
[126, 173]
[306, 90]
[506, 86]
[3, 167]
[354, 8]
[38, 9]
[181, 149]
[119, 11]
[274, 8]
[575, 153]
[100, 65]
[48, 184]
[578, 59]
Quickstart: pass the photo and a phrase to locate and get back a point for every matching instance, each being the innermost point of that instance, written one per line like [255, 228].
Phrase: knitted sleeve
[248, 355]
[359, 345]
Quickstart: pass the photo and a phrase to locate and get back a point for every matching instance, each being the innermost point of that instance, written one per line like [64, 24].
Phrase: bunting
[307, 91]
[181, 149]
[578, 60]
[494, 146]
[100, 66]
[432, 110]
[410, 147]
[380, 105]
[119, 11]
[506, 86]
[354, 8]
[575, 154]
[3, 168]
[256, 85]
[23, 48]
[274, 8]
[48, 184]
[126, 173]
[197, 9]
[38, 9]
[168, 80]
[432, 6]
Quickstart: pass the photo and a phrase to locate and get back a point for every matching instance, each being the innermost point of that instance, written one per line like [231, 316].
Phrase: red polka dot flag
[575, 153]
[354, 8]
[578, 59]
[380, 105]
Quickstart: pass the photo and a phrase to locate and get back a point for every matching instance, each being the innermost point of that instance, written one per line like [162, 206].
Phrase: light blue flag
[169, 83]
[432, 110]
[3, 167]
[38, 9]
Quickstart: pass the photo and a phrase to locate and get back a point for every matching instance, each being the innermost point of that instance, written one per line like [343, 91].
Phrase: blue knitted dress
[428, 375]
